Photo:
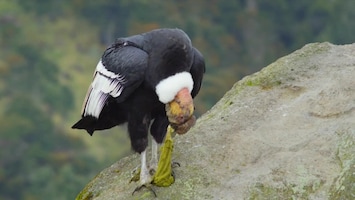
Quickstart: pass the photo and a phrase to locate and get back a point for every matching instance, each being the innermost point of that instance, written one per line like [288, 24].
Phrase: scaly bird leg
[154, 160]
[145, 178]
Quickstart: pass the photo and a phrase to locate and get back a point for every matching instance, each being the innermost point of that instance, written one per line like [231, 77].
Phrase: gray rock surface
[286, 132]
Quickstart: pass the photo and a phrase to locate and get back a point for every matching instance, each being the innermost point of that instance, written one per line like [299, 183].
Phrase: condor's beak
[180, 111]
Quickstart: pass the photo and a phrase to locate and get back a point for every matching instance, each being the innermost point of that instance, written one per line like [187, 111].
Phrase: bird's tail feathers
[87, 123]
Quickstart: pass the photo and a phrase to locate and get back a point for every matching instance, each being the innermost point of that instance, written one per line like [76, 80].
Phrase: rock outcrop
[286, 132]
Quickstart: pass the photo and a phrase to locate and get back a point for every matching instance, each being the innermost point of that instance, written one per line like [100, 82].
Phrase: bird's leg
[145, 178]
[151, 168]
[154, 160]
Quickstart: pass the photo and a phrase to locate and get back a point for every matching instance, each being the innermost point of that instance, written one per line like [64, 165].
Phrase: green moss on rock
[85, 195]
[344, 186]
[285, 191]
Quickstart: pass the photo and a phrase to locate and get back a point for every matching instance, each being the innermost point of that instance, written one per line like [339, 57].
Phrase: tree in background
[37, 158]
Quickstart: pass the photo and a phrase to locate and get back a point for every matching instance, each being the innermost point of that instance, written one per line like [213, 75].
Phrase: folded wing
[119, 72]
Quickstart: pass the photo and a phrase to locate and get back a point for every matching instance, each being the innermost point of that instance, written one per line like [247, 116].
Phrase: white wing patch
[105, 84]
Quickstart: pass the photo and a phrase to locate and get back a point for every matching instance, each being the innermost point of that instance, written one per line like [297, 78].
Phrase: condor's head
[175, 93]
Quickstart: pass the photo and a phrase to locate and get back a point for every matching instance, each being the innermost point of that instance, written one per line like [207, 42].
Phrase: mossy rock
[286, 132]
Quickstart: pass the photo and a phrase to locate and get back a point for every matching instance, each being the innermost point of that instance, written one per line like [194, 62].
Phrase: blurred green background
[50, 48]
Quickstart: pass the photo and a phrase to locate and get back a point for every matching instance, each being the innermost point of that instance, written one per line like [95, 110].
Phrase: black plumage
[124, 88]
[144, 60]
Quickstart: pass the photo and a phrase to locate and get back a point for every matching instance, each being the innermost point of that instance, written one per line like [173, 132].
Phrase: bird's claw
[149, 187]
[175, 164]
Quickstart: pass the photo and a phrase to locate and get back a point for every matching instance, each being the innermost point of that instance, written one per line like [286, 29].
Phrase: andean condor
[148, 81]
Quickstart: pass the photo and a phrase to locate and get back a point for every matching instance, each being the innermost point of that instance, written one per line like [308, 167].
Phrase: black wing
[197, 70]
[118, 74]
[120, 71]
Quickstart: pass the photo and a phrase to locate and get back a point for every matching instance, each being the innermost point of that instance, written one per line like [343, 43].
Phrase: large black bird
[147, 80]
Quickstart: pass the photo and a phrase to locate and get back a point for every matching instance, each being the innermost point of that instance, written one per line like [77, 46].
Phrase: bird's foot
[148, 186]
[145, 179]
[137, 175]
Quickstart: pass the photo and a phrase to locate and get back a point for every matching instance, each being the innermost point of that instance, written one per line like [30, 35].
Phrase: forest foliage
[49, 49]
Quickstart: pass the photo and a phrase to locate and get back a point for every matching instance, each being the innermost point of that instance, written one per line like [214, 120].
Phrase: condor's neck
[168, 88]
